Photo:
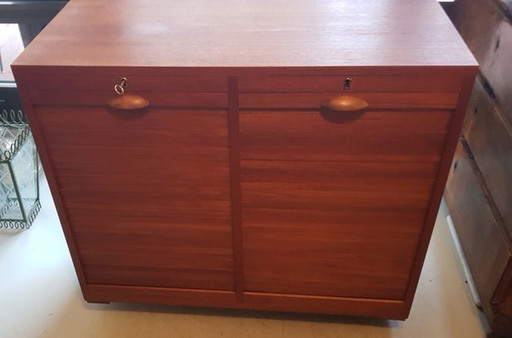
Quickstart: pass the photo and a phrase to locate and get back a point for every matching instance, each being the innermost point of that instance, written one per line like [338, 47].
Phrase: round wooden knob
[346, 103]
[128, 102]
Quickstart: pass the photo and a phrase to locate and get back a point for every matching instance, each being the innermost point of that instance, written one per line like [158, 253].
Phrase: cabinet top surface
[249, 33]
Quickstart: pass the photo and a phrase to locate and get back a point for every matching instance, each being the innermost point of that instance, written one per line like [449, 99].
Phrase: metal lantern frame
[19, 182]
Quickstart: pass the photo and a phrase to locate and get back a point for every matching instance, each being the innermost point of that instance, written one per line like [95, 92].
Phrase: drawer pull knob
[126, 101]
[346, 103]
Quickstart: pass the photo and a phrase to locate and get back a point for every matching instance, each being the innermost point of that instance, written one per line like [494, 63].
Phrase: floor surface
[40, 297]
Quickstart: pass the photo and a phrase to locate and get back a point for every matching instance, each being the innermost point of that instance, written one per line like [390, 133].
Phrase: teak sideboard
[247, 182]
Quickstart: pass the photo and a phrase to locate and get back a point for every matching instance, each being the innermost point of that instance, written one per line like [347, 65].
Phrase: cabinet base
[389, 309]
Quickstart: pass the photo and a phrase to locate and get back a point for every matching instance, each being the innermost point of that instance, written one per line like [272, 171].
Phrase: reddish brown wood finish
[149, 203]
[234, 189]
[376, 135]
[261, 33]
[375, 100]
[252, 300]
[328, 228]
[358, 83]
[234, 155]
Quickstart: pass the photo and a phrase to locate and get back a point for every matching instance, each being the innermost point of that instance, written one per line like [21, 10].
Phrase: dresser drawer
[310, 92]
[96, 88]
[490, 138]
[480, 233]
[376, 135]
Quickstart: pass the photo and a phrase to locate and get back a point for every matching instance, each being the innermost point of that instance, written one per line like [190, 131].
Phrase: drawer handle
[126, 101]
[346, 103]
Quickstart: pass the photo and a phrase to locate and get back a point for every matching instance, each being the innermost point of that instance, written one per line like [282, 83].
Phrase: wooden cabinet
[237, 187]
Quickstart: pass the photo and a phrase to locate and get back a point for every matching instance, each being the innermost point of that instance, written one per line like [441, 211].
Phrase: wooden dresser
[479, 190]
[244, 184]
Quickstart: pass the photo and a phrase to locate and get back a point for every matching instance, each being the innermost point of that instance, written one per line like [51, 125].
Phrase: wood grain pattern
[373, 136]
[273, 34]
[234, 157]
[488, 34]
[375, 100]
[486, 29]
[484, 247]
[476, 21]
[252, 300]
[42, 150]
[104, 80]
[156, 98]
[439, 187]
[339, 229]
[501, 304]
[502, 298]
[196, 202]
[359, 83]
[491, 143]
[142, 208]
[496, 66]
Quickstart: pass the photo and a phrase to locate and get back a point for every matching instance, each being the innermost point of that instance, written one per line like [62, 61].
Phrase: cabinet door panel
[147, 195]
[331, 228]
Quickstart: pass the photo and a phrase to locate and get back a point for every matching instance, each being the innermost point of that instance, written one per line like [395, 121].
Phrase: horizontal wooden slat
[142, 275]
[190, 136]
[156, 250]
[482, 242]
[203, 219]
[157, 98]
[339, 229]
[105, 81]
[252, 300]
[161, 258]
[490, 139]
[334, 185]
[375, 100]
[373, 136]
[359, 83]
[147, 195]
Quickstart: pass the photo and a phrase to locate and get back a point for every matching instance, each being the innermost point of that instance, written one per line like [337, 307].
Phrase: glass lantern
[19, 173]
